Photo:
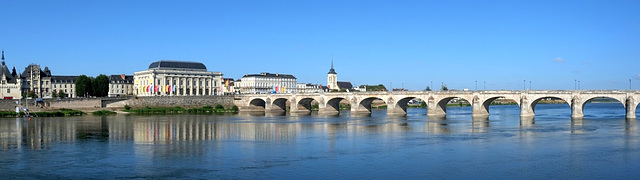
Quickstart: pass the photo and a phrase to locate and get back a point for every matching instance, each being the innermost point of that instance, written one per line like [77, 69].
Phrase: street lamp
[524, 84]
[484, 85]
[476, 85]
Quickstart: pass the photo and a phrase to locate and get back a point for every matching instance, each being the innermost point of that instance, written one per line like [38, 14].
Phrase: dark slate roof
[345, 85]
[45, 73]
[278, 75]
[5, 71]
[63, 79]
[179, 65]
[122, 77]
[332, 71]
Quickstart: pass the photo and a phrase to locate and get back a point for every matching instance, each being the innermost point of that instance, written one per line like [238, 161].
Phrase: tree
[62, 94]
[428, 88]
[101, 86]
[444, 88]
[31, 94]
[83, 86]
[378, 87]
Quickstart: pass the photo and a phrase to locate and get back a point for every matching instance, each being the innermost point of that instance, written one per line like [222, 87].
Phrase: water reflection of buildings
[202, 128]
[35, 134]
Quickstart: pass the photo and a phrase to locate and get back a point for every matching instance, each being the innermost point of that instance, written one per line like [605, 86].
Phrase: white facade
[177, 78]
[120, 85]
[309, 88]
[65, 84]
[268, 83]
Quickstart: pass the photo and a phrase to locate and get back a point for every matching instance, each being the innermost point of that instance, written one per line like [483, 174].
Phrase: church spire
[3, 57]
[332, 71]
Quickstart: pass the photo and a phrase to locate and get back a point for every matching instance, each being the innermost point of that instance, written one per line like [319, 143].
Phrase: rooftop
[178, 65]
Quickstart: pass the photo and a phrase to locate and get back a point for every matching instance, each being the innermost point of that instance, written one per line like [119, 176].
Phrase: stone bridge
[436, 101]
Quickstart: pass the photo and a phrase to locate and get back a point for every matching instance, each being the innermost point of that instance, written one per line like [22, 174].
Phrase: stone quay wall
[95, 103]
[171, 101]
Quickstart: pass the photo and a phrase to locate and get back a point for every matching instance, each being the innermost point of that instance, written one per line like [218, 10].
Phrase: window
[8, 90]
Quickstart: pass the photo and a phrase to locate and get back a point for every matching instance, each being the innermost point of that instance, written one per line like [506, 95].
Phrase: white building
[267, 83]
[308, 88]
[64, 84]
[177, 78]
[120, 85]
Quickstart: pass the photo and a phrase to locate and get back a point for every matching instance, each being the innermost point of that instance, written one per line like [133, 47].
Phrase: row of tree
[379, 87]
[92, 87]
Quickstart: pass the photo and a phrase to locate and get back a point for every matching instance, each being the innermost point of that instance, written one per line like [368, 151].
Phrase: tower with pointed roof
[10, 83]
[332, 78]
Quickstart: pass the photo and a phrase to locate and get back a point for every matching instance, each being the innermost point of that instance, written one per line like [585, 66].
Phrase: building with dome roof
[177, 78]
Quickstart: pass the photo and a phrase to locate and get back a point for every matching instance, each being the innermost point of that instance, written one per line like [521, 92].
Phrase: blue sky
[403, 43]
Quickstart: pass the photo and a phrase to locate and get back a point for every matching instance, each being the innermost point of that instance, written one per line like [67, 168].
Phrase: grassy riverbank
[56, 113]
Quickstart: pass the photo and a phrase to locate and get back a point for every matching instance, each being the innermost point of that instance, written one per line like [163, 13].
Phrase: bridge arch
[256, 104]
[482, 108]
[364, 104]
[438, 106]
[332, 105]
[278, 105]
[528, 108]
[602, 98]
[305, 104]
[400, 107]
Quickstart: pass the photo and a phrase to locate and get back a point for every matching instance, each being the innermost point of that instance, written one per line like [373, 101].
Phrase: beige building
[120, 85]
[177, 78]
[37, 80]
[11, 83]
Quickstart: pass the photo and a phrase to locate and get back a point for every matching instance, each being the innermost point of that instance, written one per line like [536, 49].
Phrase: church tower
[332, 78]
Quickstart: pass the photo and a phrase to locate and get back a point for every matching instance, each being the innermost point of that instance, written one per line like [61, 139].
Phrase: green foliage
[127, 107]
[83, 86]
[379, 87]
[345, 106]
[423, 104]
[58, 113]
[428, 88]
[100, 86]
[234, 108]
[31, 94]
[444, 88]
[103, 112]
[61, 94]
[207, 107]
[218, 106]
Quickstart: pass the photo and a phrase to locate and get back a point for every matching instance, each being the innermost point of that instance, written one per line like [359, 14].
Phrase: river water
[604, 145]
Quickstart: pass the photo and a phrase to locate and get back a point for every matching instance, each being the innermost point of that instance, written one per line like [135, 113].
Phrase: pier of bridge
[329, 103]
